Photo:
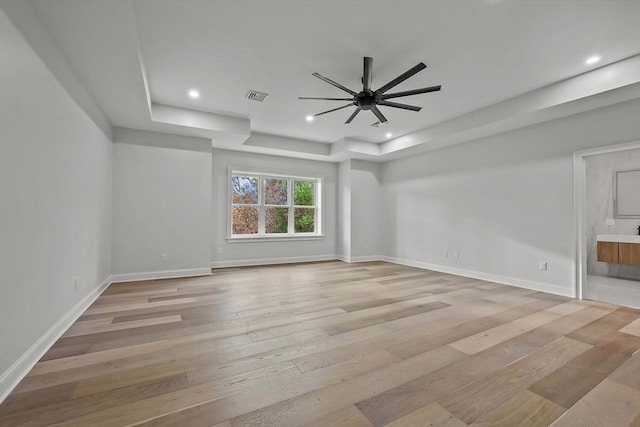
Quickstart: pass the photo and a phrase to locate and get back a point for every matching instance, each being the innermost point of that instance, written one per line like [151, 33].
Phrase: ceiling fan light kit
[368, 99]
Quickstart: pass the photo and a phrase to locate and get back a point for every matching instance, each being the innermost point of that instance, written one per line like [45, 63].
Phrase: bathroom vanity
[619, 248]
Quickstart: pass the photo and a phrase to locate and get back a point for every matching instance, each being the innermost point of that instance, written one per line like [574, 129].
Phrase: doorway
[595, 172]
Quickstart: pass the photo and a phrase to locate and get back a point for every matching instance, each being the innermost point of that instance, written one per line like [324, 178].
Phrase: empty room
[227, 213]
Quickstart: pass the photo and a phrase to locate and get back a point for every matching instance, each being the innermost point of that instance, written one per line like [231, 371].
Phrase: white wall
[344, 210]
[365, 215]
[227, 253]
[55, 201]
[161, 205]
[504, 203]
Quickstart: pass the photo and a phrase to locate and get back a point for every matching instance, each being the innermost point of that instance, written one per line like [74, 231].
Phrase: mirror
[626, 194]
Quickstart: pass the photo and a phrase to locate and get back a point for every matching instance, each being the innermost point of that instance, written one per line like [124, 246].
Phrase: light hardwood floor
[336, 344]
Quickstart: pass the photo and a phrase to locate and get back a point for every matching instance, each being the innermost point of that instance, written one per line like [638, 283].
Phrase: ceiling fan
[369, 99]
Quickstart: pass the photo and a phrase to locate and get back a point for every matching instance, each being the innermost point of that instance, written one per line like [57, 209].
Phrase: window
[267, 205]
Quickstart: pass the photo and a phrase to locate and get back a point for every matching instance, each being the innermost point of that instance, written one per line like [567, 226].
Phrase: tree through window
[266, 205]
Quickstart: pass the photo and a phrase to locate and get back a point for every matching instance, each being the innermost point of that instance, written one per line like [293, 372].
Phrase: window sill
[273, 239]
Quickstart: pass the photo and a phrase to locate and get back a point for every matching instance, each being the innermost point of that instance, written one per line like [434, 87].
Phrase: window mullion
[290, 205]
[261, 210]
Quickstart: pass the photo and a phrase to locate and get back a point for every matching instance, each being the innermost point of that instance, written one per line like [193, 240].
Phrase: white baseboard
[505, 280]
[166, 274]
[367, 258]
[21, 367]
[355, 259]
[268, 261]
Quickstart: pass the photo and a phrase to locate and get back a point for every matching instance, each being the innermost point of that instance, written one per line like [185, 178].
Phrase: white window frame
[261, 205]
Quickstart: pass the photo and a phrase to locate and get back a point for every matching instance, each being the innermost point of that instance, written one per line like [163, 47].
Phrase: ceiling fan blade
[411, 92]
[378, 114]
[397, 105]
[367, 73]
[331, 111]
[326, 99]
[402, 77]
[331, 82]
[351, 117]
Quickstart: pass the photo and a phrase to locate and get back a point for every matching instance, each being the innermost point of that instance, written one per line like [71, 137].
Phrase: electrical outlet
[542, 265]
[610, 221]
[456, 255]
[164, 258]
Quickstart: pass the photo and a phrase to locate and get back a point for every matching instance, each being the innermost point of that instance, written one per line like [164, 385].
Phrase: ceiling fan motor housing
[366, 99]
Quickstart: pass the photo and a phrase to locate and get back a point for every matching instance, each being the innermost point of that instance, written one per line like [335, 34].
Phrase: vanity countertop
[621, 238]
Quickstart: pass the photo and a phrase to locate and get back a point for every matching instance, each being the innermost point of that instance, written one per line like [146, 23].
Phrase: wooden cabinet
[629, 253]
[619, 253]
[608, 252]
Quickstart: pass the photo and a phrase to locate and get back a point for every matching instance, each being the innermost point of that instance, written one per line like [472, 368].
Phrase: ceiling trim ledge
[614, 83]
[226, 129]
[160, 139]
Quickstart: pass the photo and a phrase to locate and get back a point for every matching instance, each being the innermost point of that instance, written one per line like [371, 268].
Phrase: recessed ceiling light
[309, 118]
[194, 94]
[389, 135]
[592, 60]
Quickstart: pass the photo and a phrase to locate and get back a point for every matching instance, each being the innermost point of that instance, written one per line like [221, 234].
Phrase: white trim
[283, 238]
[356, 259]
[166, 274]
[21, 367]
[505, 280]
[367, 258]
[579, 211]
[267, 261]
[579, 214]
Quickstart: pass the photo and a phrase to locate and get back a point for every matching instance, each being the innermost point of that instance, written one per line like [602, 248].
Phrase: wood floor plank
[485, 339]
[601, 328]
[628, 373]
[476, 399]
[317, 402]
[632, 328]
[429, 415]
[348, 416]
[525, 409]
[81, 328]
[62, 364]
[399, 401]
[373, 320]
[571, 382]
[331, 344]
[608, 404]
[16, 403]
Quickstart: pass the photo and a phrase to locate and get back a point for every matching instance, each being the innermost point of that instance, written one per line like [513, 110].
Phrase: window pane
[276, 220]
[303, 193]
[245, 189]
[245, 220]
[275, 191]
[304, 220]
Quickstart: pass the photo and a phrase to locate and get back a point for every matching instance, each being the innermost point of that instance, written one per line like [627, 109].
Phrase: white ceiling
[481, 52]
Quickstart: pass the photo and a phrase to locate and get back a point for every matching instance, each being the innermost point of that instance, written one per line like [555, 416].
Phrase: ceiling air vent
[254, 95]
